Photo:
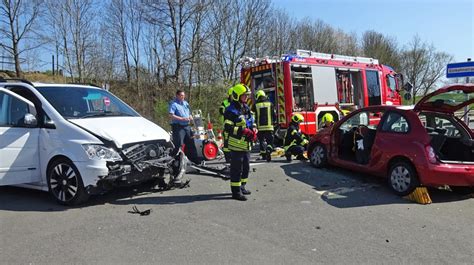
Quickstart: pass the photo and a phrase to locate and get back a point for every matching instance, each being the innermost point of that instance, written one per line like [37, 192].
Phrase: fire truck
[314, 84]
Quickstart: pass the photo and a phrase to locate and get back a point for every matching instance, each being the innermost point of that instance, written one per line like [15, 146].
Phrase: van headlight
[100, 152]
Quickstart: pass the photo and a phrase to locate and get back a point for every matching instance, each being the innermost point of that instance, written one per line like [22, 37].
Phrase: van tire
[65, 182]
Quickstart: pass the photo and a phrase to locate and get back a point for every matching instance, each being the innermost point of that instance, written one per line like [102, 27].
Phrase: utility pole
[466, 108]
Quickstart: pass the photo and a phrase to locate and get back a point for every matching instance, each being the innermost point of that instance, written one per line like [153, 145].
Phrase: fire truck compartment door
[324, 84]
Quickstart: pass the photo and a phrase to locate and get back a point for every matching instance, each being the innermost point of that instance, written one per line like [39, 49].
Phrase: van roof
[38, 84]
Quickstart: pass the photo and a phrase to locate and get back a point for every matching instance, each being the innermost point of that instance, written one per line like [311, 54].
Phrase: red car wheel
[402, 178]
[318, 156]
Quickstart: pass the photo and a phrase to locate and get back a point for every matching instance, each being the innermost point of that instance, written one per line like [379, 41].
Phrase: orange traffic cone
[219, 139]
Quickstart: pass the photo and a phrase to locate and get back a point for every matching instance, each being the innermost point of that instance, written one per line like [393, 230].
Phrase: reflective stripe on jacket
[293, 136]
[237, 117]
[264, 115]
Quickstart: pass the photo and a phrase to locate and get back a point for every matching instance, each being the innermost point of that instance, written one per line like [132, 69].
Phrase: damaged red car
[423, 145]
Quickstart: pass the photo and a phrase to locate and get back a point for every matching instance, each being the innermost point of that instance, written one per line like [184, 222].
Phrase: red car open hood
[447, 99]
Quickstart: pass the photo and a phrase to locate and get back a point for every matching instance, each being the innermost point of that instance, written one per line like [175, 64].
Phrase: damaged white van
[77, 140]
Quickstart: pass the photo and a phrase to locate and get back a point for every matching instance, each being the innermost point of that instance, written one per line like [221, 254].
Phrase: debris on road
[141, 213]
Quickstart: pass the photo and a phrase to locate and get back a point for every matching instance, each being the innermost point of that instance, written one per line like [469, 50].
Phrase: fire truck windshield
[391, 82]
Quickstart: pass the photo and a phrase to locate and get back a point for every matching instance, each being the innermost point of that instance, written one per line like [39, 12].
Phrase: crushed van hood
[123, 130]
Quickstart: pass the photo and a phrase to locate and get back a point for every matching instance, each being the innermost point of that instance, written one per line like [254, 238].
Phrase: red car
[424, 145]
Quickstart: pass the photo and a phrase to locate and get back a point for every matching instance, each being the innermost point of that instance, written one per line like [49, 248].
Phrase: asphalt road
[296, 215]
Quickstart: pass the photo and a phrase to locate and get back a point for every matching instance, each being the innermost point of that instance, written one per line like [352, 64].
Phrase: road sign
[460, 69]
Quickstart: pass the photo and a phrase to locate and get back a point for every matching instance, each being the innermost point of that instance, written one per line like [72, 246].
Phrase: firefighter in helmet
[295, 142]
[264, 117]
[327, 120]
[242, 132]
[225, 103]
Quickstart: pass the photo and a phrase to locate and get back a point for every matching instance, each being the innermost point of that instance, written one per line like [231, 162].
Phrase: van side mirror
[30, 121]
[49, 124]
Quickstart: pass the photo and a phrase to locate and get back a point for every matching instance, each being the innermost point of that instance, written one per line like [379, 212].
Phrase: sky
[448, 24]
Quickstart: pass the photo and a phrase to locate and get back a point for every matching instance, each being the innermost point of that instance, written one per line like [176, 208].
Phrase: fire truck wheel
[210, 150]
[319, 156]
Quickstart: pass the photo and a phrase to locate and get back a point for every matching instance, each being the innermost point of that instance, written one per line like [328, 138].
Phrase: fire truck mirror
[407, 87]
[407, 96]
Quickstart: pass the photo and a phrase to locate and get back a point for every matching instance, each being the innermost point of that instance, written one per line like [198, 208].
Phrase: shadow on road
[346, 189]
[22, 199]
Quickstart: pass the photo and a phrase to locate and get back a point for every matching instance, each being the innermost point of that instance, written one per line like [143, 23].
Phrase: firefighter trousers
[239, 170]
[265, 140]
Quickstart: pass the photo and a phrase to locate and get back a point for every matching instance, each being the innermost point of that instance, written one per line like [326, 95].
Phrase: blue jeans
[182, 134]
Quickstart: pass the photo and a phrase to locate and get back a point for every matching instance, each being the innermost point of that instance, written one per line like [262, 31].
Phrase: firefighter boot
[288, 156]
[237, 194]
[244, 190]
[269, 151]
[269, 157]
[301, 157]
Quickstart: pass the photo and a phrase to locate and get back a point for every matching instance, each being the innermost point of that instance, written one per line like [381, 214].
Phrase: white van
[77, 140]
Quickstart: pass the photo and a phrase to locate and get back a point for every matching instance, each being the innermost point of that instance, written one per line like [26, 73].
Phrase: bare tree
[174, 17]
[315, 36]
[117, 20]
[383, 48]
[234, 23]
[347, 44]
[423, 66]
[17, 20]
[278, 33]
[73, 22]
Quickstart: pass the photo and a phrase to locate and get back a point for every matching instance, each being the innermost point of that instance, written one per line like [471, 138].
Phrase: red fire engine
[313, 84]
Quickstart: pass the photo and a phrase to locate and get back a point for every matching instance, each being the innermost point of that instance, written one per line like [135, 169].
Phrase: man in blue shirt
[180, 115]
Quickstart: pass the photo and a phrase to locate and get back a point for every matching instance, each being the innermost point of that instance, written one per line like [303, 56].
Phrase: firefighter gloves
[250, 135]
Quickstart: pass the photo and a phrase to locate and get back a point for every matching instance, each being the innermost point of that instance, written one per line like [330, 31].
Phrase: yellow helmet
[259, 94]
[297, 118]
[327, 118]
[239, 90]
[229, 92]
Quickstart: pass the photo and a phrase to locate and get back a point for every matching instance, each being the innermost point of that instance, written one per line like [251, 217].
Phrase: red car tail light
[431, 154]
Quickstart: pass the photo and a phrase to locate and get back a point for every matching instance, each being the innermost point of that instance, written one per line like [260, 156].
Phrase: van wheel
[402, 178]
[65, 183]
[319, 156]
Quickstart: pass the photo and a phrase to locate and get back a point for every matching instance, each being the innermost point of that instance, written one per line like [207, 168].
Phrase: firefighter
[264, 117]
[327, 120]
[242, 132]
[225, 103]
[295, 142]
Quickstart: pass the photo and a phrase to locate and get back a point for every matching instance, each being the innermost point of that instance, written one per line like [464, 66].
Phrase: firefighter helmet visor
[239, 90]
[297, 118]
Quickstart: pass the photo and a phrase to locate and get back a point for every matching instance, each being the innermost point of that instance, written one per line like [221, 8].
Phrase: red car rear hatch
[447, 99]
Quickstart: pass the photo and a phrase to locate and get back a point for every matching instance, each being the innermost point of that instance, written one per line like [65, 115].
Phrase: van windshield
[83, 102]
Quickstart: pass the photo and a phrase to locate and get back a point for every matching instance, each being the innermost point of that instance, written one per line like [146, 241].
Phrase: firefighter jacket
[225, 103]
[264, 115]
[237, 117]
[293, 136]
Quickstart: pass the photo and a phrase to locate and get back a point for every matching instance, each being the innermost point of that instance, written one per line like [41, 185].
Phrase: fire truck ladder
[326, 56]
